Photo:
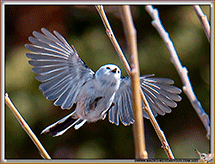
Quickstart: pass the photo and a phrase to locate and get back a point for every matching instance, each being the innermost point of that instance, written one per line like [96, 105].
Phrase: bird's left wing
[58, 66]
[159, 93]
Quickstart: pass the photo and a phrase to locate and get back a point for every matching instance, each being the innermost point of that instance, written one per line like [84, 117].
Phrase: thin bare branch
[203, 19]
[147, 108]
[111, 36]
[25, 126]
[157, 128]
[182, 71]
[130, 31]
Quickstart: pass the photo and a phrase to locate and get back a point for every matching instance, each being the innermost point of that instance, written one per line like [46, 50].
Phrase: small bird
[67, 80]
[205, 158]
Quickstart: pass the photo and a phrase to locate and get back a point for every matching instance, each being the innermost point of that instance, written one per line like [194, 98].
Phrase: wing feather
[59, 66]
[159, 92]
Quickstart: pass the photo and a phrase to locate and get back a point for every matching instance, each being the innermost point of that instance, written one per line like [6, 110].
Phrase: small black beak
[114, 70]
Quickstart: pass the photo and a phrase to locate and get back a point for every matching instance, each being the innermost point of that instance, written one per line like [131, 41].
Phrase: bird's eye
[203, 155]
[107, 67]
[118, 71]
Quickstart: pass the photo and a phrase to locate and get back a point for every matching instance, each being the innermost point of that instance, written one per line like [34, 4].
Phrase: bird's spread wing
[159, 92]
[58, 66]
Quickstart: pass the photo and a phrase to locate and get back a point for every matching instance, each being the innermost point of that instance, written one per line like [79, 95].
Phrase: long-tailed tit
[67, 79]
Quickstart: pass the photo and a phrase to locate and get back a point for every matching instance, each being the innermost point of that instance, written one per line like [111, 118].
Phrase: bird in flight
[91, 95]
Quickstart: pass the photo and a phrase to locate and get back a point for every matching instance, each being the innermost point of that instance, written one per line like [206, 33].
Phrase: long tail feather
[61, 126]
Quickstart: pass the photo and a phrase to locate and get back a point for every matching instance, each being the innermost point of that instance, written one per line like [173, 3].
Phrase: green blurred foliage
[83, 28]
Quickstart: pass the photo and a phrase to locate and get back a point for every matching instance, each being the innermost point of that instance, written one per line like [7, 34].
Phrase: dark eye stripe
[107, 67]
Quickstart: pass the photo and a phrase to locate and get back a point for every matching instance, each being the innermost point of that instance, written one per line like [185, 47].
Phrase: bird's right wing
[58, 66]
[159, 93]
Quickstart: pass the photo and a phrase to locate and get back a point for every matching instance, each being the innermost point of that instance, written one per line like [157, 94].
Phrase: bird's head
[108, 72]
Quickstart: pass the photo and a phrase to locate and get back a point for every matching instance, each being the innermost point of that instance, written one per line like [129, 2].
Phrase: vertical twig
[27, 129]
[182, 71]
[130, 31]
[203, 19]
[159, 132]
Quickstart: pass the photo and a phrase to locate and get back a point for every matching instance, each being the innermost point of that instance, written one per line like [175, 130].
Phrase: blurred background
[83, 28]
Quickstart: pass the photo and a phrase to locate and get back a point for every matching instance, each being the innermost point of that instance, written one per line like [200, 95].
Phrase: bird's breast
[94, 100]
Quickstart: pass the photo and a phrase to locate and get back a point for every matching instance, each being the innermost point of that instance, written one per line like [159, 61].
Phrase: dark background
[83, 28]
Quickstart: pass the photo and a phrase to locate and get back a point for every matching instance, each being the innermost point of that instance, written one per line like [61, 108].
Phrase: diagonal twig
[130, 31]
[203, 19]
[182, 71]
[111, 36]
[27, 129]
